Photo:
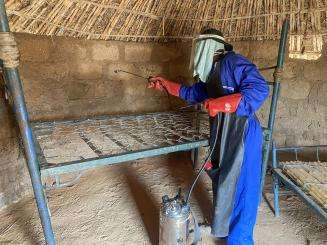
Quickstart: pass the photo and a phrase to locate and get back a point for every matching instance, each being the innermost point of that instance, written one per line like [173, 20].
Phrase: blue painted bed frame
[280, 178]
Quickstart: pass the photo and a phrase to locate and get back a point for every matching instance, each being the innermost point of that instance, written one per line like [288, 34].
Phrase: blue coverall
[239, 75]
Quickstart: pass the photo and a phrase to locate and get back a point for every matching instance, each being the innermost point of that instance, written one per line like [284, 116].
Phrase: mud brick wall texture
[72, 78]
[67, 78]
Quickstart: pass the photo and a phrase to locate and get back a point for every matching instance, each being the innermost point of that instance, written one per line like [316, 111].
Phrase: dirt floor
[120, 205]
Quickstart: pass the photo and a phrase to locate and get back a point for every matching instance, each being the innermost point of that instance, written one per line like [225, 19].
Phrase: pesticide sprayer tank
[175, 220]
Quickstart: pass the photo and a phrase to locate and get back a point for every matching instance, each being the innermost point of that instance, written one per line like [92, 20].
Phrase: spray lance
[176, 216]
[133, 74]
[147, 79]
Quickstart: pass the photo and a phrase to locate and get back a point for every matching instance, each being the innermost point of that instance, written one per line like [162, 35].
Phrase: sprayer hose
[202, 168]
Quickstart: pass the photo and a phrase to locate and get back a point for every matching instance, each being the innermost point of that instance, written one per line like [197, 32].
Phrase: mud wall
[302, 107]
[65, 78]
[70, 78]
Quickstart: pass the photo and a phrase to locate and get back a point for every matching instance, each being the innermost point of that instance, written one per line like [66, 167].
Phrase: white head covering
[203, 49]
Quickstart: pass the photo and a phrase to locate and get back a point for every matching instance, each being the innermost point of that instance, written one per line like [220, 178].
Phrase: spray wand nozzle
[148, 80]
[133, 74]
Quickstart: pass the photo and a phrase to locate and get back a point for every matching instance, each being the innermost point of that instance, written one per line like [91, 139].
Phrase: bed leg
[12, 78]
[195, 152]
[195, 157]
[276, 195]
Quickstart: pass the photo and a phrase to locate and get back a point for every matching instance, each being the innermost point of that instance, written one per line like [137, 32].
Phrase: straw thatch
[143, 20]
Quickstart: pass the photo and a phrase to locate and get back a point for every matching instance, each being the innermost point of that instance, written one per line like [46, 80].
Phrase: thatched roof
[142, 20]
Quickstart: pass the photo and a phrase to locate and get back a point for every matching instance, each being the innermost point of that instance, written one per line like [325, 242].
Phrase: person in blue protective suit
[232, 90]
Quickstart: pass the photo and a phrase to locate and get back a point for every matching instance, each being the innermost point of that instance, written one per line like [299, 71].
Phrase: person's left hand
[208, 166]
[226, 104]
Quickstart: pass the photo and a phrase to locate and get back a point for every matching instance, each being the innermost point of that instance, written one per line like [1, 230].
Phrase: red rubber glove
[227, 104]
[208, 166]
[160, 83]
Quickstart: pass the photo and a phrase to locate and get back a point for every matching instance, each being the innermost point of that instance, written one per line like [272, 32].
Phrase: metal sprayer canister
[175, 219]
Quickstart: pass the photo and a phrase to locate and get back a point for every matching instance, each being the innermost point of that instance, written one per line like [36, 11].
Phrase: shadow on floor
[146, 205]
[297, 214]
[185, 172]
[23, 220]
[180, 168]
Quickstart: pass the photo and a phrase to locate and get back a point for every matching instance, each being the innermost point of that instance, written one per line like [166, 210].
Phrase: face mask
[219, 54]
[203, 51]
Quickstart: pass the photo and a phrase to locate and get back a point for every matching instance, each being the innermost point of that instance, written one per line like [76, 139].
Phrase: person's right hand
[160, 83]
[157, 83]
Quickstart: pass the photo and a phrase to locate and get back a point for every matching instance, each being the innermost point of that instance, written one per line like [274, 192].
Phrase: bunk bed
[77, 145]
[59, 147]
[307, 178]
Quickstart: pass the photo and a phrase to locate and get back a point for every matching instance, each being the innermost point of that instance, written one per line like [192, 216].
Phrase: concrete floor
[119, 205]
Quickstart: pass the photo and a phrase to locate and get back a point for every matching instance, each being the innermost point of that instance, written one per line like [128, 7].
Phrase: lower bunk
[306, 177]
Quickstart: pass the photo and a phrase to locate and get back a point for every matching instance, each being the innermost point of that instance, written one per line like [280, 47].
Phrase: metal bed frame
[177, 140]
[108, 140]
[279, 177]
